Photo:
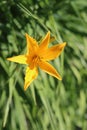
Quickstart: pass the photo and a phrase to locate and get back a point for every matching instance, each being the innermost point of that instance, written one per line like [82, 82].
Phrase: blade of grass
[24, 9]
[11, 84]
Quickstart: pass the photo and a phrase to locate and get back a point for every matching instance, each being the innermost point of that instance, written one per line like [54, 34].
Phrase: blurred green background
[48, 104]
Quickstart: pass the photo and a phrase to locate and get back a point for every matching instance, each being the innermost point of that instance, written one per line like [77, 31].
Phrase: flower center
[34, 61]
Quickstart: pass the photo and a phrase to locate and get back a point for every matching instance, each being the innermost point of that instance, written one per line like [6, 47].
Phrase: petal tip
[48, 32]
[26, 34]
[64, 44]
[8, 59]
[59, 77]
[25, 87]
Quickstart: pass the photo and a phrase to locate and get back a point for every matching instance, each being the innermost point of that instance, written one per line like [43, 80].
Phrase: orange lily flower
[38, 56]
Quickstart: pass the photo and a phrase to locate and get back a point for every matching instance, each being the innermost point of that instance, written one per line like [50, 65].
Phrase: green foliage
[48, 104]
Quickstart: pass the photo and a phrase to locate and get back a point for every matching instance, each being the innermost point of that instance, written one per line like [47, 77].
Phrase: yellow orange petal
[52, 52]
[31, 74]
[45, 66]
[32, 45]
[22, 59]
[44, 44]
